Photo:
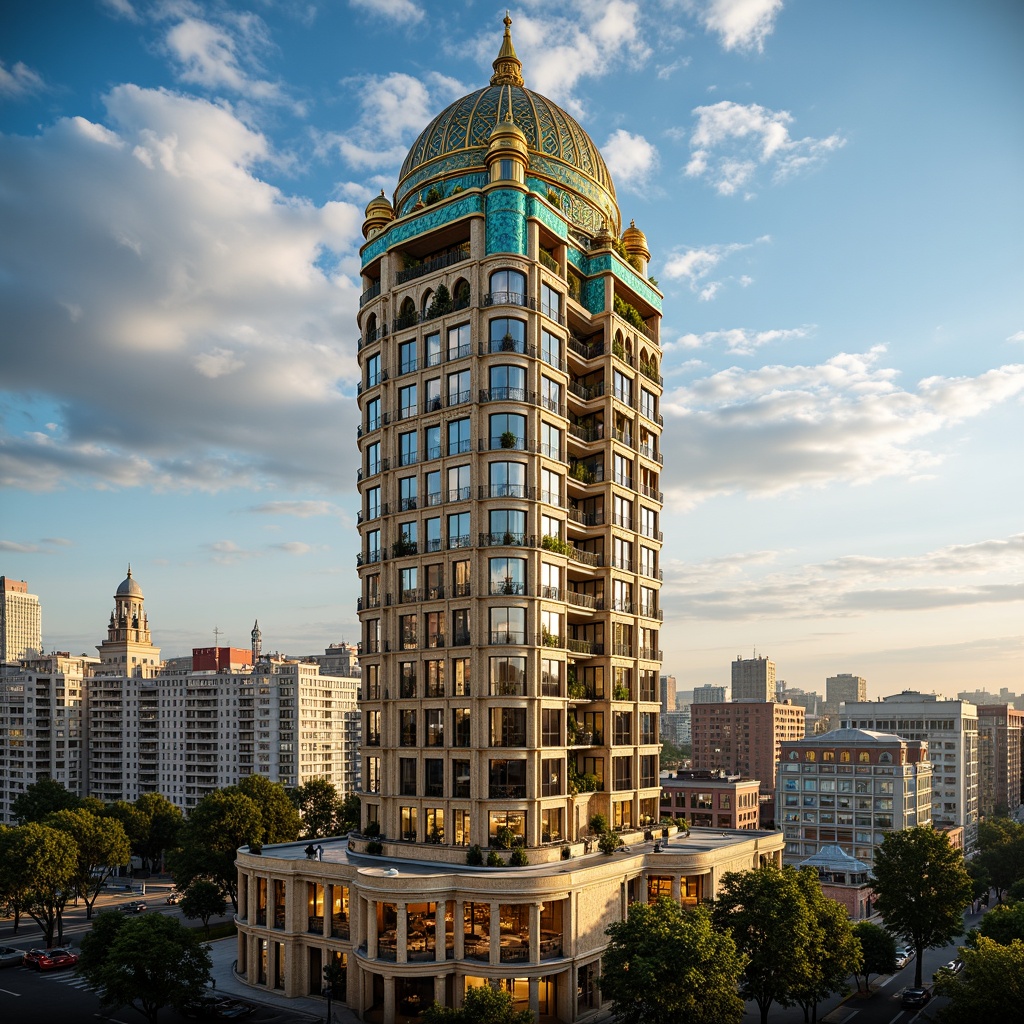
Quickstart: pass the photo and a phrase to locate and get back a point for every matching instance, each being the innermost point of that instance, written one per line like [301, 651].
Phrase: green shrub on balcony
[519, 858]
[474, 856]
[495, 860]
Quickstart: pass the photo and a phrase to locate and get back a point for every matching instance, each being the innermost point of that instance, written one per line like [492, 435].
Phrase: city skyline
[831, 214]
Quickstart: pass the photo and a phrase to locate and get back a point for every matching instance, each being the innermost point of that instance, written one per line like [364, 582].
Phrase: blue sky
[832, 196]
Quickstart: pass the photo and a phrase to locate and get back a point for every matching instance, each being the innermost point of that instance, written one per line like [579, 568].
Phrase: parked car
[135, 907]
[914, 998]
[11, 957]
[213, 1007]
[903, 957]
[954, 967]
[50, 959]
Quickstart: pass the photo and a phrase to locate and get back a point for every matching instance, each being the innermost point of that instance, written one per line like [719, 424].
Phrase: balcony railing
[429, 266]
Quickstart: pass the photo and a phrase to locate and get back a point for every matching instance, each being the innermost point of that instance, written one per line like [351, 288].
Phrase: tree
[13, 883]
[921, 888]
[878, 952]
[349, 814]
[481, 1005]
[834, 952]
[165, 821]
[47, 860]
[217, 826]
[767, 915]
[40, 800]
[317, 802]
[203, 899]
[1003, 923]
[146, 963]
[134, 822]
[664, 964]
[990, 987]
[281, 822]
[1001, 842]
[102, 846]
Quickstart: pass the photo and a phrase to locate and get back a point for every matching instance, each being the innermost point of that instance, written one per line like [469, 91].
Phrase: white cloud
[404, 11]
[630, 158]
[223, 275]
[732, 140]
[293, 547]
[120, 9]
[394, 108]
[739, 340]
[1017, 336]
[739, 24]
[778, 427]
[560, 49]
[299, 509]
[695, 266]
[20, 81]
[742, 585]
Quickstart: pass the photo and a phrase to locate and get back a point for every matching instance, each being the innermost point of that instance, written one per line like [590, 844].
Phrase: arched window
[406, 315]
[507, 335]
[885, 758]
[461, 294]
[845, 757]
[371, 327]
[864, 757]
[425, 302]
[810, 755]
[508, 287]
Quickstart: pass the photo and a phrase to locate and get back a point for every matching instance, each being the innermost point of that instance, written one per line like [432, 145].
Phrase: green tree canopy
[317, 801]
[481, 1005]
[13, 881]
[281, 822]
[47, 859]
[217, 826]
[834, 952]
[1003, 923]
[989, 988]
[878, 951]
[1001, 842]
[921, 888]
[766, 912]
[165, 821]
[146, 962]
[203, 899]
[40, 800]
[665, 965]
[134, 822]
[102, 846]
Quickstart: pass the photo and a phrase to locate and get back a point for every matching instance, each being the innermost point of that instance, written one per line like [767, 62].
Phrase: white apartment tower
[753, 679]
[951, 729]
[20, 621]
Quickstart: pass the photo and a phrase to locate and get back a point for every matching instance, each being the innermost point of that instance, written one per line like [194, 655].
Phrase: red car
[50, 959]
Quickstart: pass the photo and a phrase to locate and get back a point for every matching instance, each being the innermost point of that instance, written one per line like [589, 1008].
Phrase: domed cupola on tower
[562, 164]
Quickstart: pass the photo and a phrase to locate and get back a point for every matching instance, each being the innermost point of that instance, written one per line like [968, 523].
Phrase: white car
[903, 957]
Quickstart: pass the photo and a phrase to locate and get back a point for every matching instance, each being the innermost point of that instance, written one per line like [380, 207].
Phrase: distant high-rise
[753, 679]
[844, 688]
[951, 729]
[667, 693]
[1000, 732]
[708, 694]
[21, 627]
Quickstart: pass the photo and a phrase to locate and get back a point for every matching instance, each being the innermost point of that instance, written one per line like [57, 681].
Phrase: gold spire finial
[507, 66]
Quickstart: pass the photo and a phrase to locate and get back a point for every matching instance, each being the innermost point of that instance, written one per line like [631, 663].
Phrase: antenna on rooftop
[216, 637]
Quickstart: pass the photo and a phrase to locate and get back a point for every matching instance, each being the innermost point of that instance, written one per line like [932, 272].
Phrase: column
[495, 930]
[371, 929]
[439, 936]
[402, 934]
[535, 909]
[389, 997]
[677, 888]
[535, 997]
[458, 928]
[329, 909]
[439, 987]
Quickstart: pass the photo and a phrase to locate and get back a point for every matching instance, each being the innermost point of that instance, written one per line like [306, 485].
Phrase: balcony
[448, 259]
[509, 299]
[371, 293]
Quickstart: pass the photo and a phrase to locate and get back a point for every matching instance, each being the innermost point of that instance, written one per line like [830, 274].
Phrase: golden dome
[379, 204]
[560, 152]
[635, 241]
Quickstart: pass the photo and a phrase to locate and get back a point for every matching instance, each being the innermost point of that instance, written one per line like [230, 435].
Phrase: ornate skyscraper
[511, 456]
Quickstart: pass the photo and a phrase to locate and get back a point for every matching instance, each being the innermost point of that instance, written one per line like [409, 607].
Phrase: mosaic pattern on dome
[549, 130]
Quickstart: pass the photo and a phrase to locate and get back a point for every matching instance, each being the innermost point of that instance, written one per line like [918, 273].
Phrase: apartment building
[753, 679]
[20, 621]
[707, 799]
[1000, 782]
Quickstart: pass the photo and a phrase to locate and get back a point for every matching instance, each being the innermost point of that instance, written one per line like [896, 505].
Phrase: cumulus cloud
[559, 49]
[299, 509]
[404, 11]
[741, 586]
[145, 260]
[740, 340]
[775, 428]
[394, 108]
[733, 140]
[19, 81]
[1017, 336]
[630, 158]
[696, 265]
[739, 24]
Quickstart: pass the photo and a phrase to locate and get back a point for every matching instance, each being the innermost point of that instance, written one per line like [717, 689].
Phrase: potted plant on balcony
[504, 838]
[508, 343]
[474, 856]
[519, 858]
[508, 587]
[508, 439]
[609, 842]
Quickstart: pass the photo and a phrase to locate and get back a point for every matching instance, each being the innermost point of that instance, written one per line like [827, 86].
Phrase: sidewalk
[302, 1008]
